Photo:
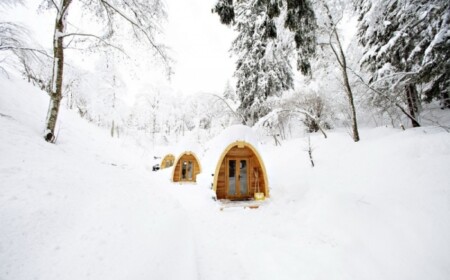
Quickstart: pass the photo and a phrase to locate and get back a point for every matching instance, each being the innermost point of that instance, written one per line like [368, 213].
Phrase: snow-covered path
[90, 208]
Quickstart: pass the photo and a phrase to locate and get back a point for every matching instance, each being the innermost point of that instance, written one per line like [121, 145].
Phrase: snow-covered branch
[96, 37]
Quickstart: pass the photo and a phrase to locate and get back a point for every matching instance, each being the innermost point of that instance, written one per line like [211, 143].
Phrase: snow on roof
[188, 144]
[216, 146]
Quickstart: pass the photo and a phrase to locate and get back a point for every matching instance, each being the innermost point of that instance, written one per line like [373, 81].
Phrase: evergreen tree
[300, 19]
[263, 48]
[407, 42]
[229, 92]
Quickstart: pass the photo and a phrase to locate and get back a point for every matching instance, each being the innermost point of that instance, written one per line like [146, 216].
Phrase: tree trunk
[112, 129]
[445, 100]
[310, 150]
[348, 89]
[411, 100]
[340, 57]
[277, 142]
[58, 70]
[351, 103]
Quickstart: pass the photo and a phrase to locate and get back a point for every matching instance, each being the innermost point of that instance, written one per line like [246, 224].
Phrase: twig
[96, 37]
[310, 150]
[384, 96]
[306, 113]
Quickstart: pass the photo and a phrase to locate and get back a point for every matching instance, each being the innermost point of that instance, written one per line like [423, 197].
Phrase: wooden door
[187, 170]
[237, 178]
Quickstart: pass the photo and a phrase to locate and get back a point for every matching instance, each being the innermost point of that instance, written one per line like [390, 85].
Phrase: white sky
[198, 43]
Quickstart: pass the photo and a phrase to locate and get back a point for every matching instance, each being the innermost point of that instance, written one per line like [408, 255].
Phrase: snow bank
[84, 208]
[89, 208]
[377, 209]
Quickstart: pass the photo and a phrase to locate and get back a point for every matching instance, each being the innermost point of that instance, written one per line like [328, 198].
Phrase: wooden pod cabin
[240, 172]
[187, 166]
[167, 161]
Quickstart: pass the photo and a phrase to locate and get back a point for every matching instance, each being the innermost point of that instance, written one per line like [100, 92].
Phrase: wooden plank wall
[221, 189]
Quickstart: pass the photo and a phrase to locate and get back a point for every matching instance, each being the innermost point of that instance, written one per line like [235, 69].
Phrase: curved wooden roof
[241, 144]
[178, 159]
[163, 161]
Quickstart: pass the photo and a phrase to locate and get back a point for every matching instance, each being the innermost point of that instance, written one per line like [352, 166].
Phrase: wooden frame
[177, 170]
[257, 173]
[239, 195]
[169, 158]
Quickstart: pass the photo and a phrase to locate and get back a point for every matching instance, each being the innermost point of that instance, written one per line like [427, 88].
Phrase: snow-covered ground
[90, 207]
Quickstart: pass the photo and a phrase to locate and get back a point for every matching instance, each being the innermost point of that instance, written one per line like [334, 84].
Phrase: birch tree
[143, 17]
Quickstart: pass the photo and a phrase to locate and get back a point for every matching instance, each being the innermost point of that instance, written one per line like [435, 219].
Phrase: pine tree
[263, 68]
[300, 19]
[263, 48]
[407, 43]
[229, 92]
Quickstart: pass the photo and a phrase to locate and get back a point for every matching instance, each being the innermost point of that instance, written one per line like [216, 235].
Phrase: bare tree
[142, 16]
[336, 46]
[310, 150]
[385, 94]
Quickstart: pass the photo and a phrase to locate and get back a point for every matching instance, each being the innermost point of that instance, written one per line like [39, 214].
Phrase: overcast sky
[200, 45]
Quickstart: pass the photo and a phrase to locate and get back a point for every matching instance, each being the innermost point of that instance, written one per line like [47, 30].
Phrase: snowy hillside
[90, 207]
[85, 208]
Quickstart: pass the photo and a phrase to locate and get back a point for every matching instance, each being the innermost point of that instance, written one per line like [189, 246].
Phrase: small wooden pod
[167, 161]
[240, 173]
[187, 166]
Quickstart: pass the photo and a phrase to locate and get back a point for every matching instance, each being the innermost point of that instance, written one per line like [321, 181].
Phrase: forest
[304, 64]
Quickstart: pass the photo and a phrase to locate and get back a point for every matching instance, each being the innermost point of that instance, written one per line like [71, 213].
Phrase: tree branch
[25, 49]
[384, 96]
[139, 27]
[96, 37]
[56, 6]
[306, 113]
[239, 116]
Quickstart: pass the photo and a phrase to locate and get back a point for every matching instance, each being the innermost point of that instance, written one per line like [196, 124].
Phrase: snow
[442, 35]
[216, 146]
[90, 207]
[81, 209]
